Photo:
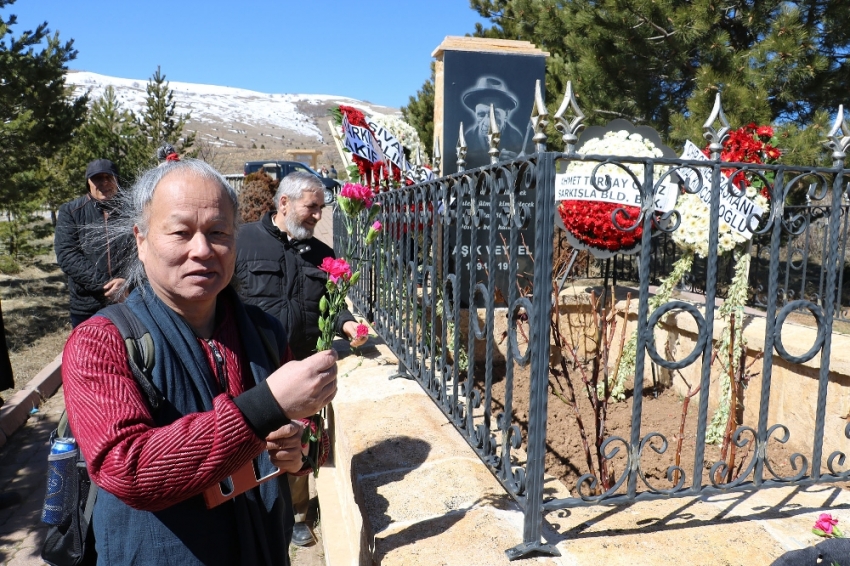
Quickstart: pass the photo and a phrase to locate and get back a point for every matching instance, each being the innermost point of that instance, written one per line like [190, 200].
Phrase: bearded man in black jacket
[277, 261]
[86, 251]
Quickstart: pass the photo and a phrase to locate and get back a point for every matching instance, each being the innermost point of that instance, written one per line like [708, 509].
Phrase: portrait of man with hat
[489, 90]
[86, 251]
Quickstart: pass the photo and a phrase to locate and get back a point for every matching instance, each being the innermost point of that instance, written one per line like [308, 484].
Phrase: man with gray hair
[225, 401]
[277, 261]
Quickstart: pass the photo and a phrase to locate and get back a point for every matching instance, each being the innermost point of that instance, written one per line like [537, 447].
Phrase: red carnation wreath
[589, 222]
[370, 173]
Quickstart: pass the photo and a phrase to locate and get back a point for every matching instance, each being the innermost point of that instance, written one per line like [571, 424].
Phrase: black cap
[99, 166]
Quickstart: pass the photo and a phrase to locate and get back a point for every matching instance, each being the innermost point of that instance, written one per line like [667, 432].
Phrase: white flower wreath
[692, 233]
[404, 132]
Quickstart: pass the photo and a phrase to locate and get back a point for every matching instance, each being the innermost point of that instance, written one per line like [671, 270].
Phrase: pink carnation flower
[336, 269]
[357, 192]
[362, 330]
[373, 232]
[825, 523]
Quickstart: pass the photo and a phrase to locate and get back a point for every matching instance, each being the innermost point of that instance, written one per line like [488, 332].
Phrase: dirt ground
[35, 315]
[566, 458]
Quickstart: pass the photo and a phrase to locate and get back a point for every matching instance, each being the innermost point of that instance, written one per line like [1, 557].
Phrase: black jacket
[6, 380]
[281, 276]
[87, 252]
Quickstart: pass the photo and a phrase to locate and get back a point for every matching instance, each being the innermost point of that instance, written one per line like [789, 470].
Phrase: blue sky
[379, 51]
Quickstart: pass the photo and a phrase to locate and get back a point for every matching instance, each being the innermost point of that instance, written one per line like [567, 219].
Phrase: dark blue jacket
[252, 529]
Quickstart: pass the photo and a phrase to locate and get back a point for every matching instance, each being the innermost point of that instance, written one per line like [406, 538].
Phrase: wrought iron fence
[802, 266]
[435, 291]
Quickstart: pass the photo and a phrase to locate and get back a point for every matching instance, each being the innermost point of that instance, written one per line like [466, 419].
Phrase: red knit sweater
[147, 467]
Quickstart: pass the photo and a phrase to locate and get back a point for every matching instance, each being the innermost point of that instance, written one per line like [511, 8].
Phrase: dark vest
[253, 528]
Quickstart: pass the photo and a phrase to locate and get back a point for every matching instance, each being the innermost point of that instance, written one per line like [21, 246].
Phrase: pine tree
[37, 114]
[160, 122]
[419, 112]
[661, 62]
[37, 118]
[110, 131]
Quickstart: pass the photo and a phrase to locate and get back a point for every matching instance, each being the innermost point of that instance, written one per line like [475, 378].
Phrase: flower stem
[665, 291]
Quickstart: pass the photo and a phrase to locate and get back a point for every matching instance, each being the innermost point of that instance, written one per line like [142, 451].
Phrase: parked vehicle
[280, 169]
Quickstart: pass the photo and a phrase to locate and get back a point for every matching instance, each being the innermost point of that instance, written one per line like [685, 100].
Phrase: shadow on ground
[387, 462]
[732, 508]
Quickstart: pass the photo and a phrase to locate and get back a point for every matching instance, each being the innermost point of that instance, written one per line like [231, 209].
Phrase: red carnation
[590, 223]
[354, 116]
[764, 132]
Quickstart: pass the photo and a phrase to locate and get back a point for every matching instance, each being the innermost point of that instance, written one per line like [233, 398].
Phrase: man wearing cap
[486, 91]
[85, 250]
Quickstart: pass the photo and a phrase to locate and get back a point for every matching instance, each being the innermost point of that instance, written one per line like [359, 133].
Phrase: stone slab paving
[424, 498]
[422, 494]
[324, 229]
[23, 474]
[729, 529]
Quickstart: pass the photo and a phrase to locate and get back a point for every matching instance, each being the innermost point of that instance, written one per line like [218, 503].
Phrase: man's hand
[302, 388]
[284, 447]
[112, 288]
[350, 330]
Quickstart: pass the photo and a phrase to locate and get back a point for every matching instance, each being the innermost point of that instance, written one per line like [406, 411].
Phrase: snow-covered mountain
[235, 118]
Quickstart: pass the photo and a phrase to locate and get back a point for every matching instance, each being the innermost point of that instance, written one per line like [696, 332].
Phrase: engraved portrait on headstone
[471, 75]
[474, 81]
[488, 91]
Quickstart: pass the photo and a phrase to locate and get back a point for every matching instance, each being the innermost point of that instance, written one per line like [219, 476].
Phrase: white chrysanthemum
[692, 233]
[690, 222]
[404, 132]
[617, 143]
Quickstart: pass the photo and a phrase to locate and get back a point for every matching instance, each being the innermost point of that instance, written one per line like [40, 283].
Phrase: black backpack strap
[141, 353]
[74, 542]
[91, 498]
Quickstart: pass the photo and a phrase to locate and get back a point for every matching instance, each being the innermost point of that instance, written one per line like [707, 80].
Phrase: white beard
[296, 231]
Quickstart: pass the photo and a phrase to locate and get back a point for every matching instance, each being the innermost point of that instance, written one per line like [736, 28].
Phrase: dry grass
[35, 315]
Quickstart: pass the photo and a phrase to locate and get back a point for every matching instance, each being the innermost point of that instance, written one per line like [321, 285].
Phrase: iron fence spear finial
[461, 150]
[493, 137]
[539, 118]
[569, 128]
[716, 137]
[838, 138]
[419, 169]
